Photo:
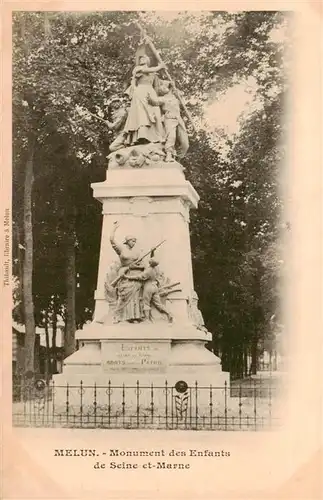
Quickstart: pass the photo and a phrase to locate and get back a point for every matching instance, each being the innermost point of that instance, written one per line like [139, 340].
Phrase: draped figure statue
[144, 121]
[128, 307]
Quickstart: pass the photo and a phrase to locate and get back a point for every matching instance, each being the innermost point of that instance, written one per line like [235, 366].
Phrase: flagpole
[159, 59]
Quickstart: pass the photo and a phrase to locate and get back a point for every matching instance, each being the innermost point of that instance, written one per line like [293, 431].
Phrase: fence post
[225, 405]
[211, 406]
[255, 403]
[109, 403]
[53, 402]
[196, 404]
[172, 406]
[94, 403]
[123, 404]
[270, 403]
[190, 401]
[137, 402]
[166, 404]
[240, 405]
[152, 403]
[67, 403]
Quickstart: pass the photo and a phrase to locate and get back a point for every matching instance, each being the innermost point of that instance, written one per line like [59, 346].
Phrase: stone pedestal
[153, 203]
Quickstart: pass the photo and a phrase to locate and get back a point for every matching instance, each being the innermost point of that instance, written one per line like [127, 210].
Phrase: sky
[240, 99]
[225, 112]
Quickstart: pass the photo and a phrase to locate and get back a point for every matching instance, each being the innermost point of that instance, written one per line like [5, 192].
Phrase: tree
[27, 140]
[43, 83]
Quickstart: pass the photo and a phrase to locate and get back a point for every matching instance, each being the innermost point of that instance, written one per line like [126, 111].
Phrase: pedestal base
[133, 366]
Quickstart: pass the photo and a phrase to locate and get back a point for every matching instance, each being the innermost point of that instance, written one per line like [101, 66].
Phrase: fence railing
[179, 406]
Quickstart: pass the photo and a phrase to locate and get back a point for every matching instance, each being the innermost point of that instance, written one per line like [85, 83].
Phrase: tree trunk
[226, 358]
[257, 320]
[69, 340]
[28, 264]
[254, 355]
[20, 271]
[48, 356]
[240, 365]
[245, 361]
[54, 333]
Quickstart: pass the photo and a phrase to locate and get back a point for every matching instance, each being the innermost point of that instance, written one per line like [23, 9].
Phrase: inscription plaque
[130, 356]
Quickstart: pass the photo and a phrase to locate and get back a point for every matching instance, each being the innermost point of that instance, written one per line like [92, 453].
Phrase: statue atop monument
[147, 121]
[144, 123]
[119, 113]
[176, 138]
[153, 117]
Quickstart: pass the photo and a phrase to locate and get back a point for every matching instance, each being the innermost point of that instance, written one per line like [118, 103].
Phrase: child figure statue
[176, 138]
[150, 292]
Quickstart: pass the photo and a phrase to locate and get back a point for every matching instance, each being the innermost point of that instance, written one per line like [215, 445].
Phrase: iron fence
[247, 406]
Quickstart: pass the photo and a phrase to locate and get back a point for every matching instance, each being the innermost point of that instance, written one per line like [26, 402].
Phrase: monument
[147, 327]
